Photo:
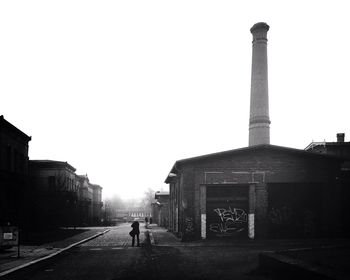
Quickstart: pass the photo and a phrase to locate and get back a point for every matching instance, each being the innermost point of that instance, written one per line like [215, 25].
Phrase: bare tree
[147, 200]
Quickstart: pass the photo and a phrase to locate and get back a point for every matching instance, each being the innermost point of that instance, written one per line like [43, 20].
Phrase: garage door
[227, 211]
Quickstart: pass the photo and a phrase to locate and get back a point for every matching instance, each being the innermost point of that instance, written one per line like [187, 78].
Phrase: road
[111, 256]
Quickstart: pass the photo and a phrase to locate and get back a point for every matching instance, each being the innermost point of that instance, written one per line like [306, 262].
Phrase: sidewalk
[161, 237]
[9, 262]
[292, 258]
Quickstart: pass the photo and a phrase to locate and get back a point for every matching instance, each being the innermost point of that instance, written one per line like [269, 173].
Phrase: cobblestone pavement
[116, 237]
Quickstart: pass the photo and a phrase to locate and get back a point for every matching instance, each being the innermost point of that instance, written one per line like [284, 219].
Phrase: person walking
[135, 232]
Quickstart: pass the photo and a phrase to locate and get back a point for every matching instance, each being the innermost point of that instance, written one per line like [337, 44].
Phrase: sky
[123, 89]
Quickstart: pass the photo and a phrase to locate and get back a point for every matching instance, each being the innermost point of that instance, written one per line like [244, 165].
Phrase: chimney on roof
[259, 121]
[340, 137]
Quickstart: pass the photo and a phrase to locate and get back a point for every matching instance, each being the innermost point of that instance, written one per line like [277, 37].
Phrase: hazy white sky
[123, 89]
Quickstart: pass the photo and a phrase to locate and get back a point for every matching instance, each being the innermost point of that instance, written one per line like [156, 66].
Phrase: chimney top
[259, 26]
[340, 137]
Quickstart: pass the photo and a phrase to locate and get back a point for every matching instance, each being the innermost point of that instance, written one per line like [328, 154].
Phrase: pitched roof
[51, 163]
[234, 152]
[11, 127]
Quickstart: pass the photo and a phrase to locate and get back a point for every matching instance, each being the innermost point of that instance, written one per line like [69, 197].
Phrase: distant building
[96, 204]
[160, 209]
[89, 201]
[85, 195]
[54, 183]
[15, 195]
[120, 215]
[137, 213]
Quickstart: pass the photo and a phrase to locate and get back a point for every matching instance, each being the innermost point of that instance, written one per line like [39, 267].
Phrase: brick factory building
[258, 191]
[262, 190]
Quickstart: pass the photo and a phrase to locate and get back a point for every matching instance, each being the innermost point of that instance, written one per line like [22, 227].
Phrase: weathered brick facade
[248, 177]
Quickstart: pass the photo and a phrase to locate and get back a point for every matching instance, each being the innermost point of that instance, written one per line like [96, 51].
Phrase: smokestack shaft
[259, 122]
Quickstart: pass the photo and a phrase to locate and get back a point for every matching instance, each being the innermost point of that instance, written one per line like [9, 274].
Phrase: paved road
[109, 256]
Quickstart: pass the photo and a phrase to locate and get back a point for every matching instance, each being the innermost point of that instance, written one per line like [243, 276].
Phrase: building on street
[15, 196]
[85, 193]
[96, 204]
[262, 190]
[258, 191]
[160, 209]
[54, 183]
[340, 149]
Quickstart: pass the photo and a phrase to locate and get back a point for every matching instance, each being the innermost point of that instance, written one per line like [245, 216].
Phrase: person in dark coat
[135, 232]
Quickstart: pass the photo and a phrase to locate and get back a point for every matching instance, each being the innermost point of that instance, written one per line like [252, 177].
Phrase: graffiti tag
[280, 216]
[299, 219]
[189, 225]
[231, 221]
[235, 215]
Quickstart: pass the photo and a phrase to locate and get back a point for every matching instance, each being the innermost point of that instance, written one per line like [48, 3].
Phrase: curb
[151, 238]
[41, 260]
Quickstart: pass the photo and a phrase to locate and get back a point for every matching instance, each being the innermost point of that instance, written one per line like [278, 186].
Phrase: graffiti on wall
[280, 216]
[292, 220]
[231, 221]
[189, 225]
[188, 233]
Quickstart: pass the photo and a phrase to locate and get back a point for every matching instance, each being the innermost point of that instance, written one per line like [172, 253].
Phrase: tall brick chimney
[259, 121]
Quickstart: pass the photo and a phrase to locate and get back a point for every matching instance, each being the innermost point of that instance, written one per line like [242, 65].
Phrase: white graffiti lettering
[225, 228]
[232, 220]
[235, 215]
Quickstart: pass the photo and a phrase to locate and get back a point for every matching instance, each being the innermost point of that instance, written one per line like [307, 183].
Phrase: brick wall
[259, 167]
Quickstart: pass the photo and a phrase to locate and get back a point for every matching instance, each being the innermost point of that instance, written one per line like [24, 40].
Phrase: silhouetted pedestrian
[150, 220]
[135, 232]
